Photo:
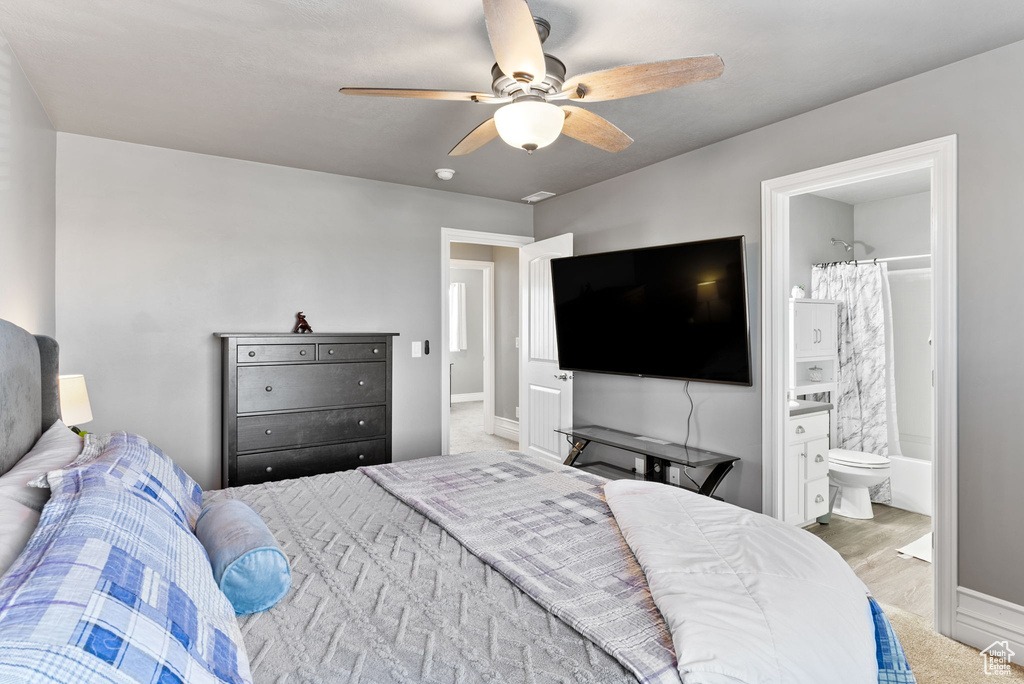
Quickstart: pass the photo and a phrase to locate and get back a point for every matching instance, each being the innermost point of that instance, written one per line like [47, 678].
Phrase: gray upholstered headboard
[29, 400]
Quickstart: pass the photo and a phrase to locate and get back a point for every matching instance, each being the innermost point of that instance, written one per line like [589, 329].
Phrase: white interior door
[545, 392]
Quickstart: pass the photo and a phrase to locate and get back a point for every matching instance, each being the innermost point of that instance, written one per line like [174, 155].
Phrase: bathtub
[911, 482]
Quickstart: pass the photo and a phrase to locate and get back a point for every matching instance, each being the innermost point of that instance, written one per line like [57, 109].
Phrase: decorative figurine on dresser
[296, 405]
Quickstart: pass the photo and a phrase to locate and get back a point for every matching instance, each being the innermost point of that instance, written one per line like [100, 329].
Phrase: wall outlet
[640, 465]
[417, 350]
[517, 413]
[673, 475]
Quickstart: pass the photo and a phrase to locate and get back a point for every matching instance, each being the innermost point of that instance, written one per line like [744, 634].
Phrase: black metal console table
[658, 456]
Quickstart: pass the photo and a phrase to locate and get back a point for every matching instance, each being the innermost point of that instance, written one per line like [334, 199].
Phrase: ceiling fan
[526, 82]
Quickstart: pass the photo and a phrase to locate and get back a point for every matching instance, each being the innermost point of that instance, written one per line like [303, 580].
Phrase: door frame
[487, 267]
[940, 156]
[474, 237]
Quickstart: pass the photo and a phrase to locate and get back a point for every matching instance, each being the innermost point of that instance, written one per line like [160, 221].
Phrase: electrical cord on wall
[689, 419]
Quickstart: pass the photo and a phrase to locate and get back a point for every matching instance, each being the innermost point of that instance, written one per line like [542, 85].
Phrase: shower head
[847, 245]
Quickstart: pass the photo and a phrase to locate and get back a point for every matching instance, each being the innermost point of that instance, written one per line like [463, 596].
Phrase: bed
[495, 566]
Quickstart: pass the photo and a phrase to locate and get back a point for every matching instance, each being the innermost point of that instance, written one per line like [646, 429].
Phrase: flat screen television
[673, 311]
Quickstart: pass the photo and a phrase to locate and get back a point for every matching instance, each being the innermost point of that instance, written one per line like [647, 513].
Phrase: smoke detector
[445, 174]
[538, 196]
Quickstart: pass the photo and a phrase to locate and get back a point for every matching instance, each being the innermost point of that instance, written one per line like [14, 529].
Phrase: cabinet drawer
[311, 427]
[817, 459]
[816, 498]
[273, 388]
[353, 352]
[806, 428]
[251, 353]
[282, 465]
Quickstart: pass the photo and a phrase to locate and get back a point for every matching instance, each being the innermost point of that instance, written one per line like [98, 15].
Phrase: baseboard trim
[982, 619]
[507, 428]
[465, 398]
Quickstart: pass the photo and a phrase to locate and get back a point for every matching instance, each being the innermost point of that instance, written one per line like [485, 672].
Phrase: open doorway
[480, 354]
[859, 368]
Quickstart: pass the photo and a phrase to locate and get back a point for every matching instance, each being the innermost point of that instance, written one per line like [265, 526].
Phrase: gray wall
[158, 249]
[812, 221]
[506, 331]
[468, 365]
[506, 320]
[900, 226]
[715, 191]
[28, 153]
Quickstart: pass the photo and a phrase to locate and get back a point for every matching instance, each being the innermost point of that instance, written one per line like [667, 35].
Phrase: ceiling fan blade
[587, 127]
[640, 79]
[477, 138]
[456, 95]
[515, 40]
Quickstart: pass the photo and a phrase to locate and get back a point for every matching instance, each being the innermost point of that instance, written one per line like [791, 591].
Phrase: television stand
[658, 456]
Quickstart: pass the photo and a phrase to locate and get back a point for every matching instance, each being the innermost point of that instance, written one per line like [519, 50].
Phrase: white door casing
[545, 392]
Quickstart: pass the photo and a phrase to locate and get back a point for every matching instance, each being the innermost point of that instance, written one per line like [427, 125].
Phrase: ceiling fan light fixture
[529, 123]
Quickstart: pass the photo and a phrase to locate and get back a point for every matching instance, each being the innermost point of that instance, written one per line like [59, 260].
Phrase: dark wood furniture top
[304, 404]
[658, 455]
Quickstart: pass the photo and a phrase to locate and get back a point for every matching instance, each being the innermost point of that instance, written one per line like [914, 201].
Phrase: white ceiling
[909, 183]
[259, 79]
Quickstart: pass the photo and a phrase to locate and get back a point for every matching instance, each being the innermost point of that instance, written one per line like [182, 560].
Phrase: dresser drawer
[353, 352]
[274, 388]
[805, 428]
[282, 465]
[816, 498]
[252, 353]
[310, 427]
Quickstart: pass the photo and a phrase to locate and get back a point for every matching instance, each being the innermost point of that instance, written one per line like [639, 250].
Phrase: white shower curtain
[866, 406]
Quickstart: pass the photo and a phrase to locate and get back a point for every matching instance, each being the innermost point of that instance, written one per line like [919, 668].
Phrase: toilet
[854, 472]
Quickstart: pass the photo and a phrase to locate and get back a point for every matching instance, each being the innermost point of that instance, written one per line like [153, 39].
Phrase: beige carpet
[936, 659]
[466, 432]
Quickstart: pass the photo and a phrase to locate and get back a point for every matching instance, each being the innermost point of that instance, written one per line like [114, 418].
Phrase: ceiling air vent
[538, 196]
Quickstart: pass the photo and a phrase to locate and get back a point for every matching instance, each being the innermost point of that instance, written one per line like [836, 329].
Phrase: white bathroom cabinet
[805, 471]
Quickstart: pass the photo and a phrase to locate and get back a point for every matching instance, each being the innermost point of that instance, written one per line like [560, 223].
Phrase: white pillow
[57, 447]
[17, 523]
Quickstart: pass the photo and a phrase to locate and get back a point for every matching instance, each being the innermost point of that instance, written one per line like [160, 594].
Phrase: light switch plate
[417, 350]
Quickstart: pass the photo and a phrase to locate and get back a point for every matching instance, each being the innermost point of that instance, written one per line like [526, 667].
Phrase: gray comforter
[381, 594]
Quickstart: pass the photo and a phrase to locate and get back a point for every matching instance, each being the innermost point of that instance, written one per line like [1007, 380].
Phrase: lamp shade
[74, 400]
[529, 124]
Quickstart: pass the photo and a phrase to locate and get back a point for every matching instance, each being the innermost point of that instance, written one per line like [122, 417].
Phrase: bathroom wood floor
[869, 546]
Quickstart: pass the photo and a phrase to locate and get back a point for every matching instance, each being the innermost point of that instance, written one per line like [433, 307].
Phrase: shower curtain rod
[858, 262]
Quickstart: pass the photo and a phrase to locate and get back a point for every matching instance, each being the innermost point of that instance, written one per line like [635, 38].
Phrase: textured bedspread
[547, 528]
[382, 594]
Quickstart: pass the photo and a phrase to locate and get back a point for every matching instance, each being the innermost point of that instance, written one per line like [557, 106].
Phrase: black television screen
[675, 311]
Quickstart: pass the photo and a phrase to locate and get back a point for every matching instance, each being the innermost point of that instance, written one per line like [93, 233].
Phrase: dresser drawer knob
[819, 458]
[269, 431]
[269, 469]
[376, 351]
[819, 499]
[362, 422]
[252, 353]
[302, 352]
[362, 457]
[800, 429]
[330, 352]
[361, 383]
[269, 388]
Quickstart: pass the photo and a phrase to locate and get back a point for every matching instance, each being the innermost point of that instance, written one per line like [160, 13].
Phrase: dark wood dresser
[297, 405]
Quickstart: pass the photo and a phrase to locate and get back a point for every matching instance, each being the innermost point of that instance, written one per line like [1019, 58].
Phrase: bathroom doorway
[859, 328]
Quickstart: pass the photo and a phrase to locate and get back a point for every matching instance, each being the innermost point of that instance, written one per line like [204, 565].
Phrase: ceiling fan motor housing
[505, 86]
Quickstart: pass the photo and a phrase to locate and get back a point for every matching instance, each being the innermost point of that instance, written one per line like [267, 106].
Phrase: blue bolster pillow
[248, 565]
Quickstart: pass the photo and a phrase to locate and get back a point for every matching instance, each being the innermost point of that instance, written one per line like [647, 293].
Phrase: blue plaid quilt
[893, 667]
[113, 586]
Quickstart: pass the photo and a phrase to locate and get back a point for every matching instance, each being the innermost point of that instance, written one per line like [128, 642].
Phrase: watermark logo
[997, 658]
